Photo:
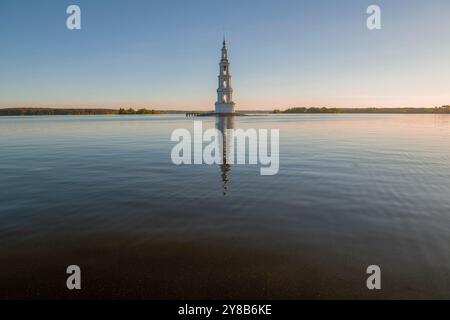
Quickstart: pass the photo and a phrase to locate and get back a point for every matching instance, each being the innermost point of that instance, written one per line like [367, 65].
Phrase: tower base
[224, 108]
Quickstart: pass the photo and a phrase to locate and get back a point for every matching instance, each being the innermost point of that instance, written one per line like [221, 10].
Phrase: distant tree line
[53, 111]
[139, 111]
[443, 109]
[62, 112]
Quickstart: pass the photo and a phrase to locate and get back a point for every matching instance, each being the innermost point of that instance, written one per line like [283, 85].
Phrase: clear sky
[164, 54]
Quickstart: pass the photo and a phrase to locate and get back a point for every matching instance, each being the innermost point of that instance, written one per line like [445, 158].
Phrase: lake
[101, 192]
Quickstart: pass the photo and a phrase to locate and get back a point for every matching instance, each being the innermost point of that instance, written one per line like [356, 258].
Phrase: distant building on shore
[224, 102]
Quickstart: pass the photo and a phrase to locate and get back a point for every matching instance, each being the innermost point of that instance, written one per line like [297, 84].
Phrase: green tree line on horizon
[53, 111]
[442, 109]
[139, 111]
[122, 111]
[62, 111]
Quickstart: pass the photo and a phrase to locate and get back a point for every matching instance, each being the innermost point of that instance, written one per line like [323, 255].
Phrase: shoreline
[5, 112]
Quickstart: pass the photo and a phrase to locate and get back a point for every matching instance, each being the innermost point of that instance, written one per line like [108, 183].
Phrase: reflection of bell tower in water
[222, 124]
[224, 102]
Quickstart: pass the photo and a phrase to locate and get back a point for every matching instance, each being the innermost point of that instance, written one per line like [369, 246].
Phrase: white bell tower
[224, 102]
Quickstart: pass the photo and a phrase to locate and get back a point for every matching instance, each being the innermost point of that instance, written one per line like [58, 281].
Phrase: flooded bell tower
[224, 102]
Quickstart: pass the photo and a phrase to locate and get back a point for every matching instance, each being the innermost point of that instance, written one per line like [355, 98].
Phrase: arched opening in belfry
[225, 98]
[224, 84]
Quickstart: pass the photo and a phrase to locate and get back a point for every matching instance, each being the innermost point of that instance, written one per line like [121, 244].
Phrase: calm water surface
[102, 192]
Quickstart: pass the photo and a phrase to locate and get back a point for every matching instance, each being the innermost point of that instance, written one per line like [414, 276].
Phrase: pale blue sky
[164, 54]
